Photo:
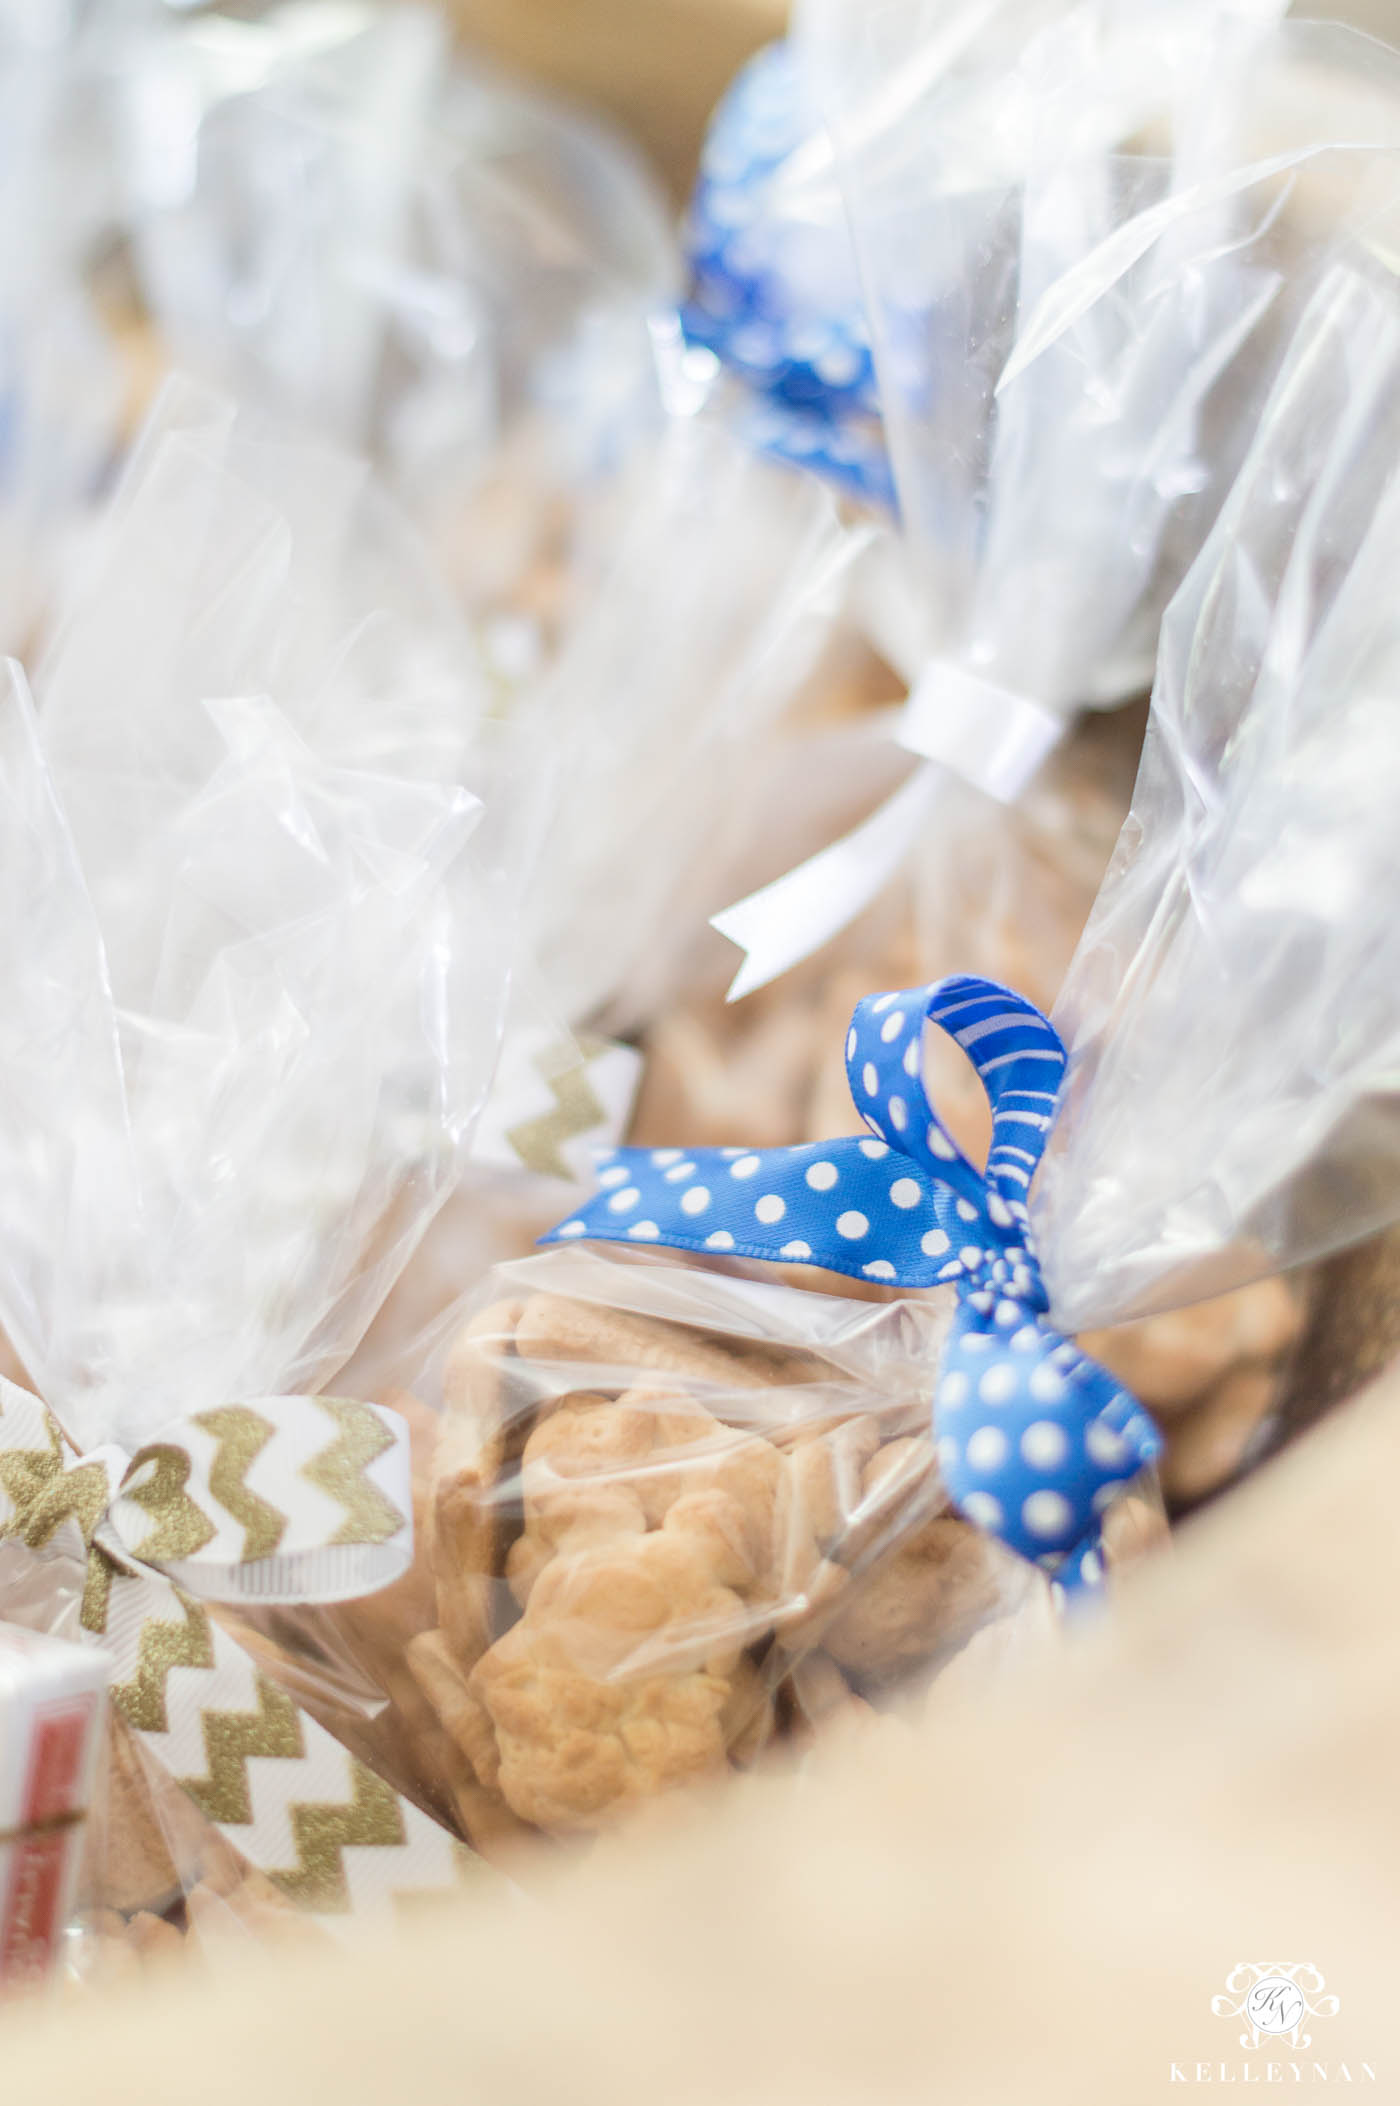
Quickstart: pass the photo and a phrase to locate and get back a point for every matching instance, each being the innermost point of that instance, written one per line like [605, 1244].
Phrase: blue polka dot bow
[777, 300]
[1034, 1439]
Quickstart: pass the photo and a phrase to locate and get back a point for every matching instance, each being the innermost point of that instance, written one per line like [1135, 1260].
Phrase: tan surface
[657, 66]
[1380, 18]
[1035, 1901]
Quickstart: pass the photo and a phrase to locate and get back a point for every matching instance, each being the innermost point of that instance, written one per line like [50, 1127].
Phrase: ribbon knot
[304, 1499]
[1034, 1439]
[340, 1525]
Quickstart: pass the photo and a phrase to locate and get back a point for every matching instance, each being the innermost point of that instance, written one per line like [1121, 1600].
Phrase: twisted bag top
[1034, 1439]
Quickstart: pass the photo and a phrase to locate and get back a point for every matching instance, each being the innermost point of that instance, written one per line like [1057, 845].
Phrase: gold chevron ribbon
[554, 1090]
[340, 1471]
[242, 1434]
[332, 1519]
[280, 1788]
[576, 1110]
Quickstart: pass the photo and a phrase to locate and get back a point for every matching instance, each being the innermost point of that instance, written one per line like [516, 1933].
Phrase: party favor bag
[1230, 1010]
[675, 1520]
[373, 234]
[679, 1517]
[671, 1508]
[254, 960]
[1084, 257]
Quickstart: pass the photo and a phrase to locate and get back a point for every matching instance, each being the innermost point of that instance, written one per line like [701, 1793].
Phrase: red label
[56, 1758]
[33, 1915]
[33, 1898]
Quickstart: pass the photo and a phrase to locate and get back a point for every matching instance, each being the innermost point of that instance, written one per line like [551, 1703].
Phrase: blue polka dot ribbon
[1034, 1439]
[779, 303]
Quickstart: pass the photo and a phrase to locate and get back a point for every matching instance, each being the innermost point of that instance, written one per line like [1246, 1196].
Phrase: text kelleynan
[1272, 2073]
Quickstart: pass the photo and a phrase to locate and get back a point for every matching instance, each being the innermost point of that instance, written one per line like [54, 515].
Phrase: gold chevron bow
[329, 1518]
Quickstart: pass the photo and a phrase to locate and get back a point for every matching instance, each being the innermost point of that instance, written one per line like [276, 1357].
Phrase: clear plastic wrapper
[255, 965]
[995, 889]
[1230, 1010]
[1083, 256]
[673, 1520]
[282, 575]
[329, 212]
[60, 375]
[652, 746]
[729, 579]
[337, 216]
[320, 589]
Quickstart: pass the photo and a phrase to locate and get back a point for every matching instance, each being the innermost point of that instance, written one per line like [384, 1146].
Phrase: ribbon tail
[794, 916]
[956, 722]
[282, 1791]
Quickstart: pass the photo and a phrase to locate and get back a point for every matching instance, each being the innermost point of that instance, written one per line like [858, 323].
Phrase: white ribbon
[963, 726]
[784, 922]
[992, 738]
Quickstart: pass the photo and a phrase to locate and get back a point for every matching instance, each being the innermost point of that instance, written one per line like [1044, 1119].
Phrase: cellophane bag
[61, 380]
[338, 216]
[653, 743]
[1230, 1010]
[1084, 253]
[674, 1520]
[728, 582]
[255, 961]
[333, 215]
[1002, 891]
